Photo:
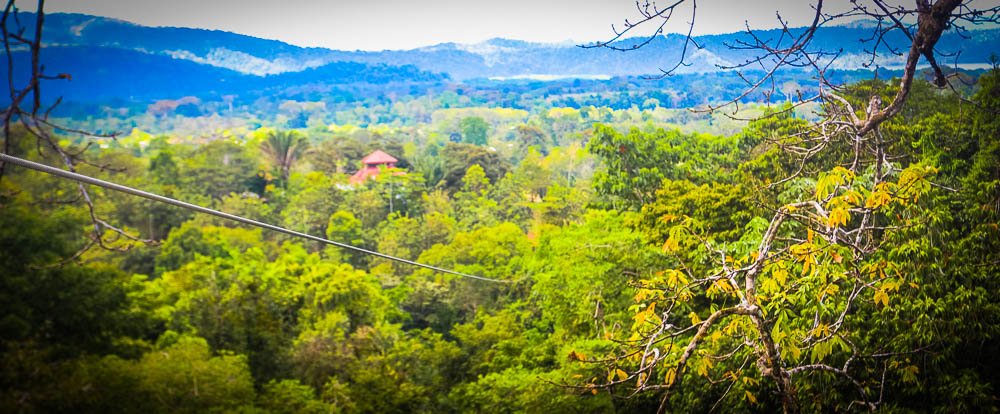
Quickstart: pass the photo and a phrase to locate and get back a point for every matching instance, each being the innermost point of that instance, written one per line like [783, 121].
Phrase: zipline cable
[167, 200]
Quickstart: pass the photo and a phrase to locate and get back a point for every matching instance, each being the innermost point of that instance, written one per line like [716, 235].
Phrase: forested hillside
[225, 317]
[125, 75]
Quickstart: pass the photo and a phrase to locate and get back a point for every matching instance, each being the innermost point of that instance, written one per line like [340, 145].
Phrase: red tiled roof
[362, 175]
[378, 157]
[365, 173]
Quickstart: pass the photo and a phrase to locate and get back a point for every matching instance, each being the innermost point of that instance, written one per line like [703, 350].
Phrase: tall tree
[283, 149]
[778, 302]
[474, 130]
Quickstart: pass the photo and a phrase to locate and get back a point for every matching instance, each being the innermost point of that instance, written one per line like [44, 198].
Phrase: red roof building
[372, 163]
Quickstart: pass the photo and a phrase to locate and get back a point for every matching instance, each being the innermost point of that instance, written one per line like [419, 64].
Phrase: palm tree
[284, 148]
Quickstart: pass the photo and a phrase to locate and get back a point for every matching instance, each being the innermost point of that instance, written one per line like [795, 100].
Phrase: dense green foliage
[586, 223]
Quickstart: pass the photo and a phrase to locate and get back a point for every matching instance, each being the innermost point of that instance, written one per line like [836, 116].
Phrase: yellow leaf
[640, 318]
[795, 351]
[828, 290]
[851, 197]
[671, 375]
[670, 245]
[622, 375]
[881, 296]
[781, 275]
[715, 336]
[878, 199]
[675, 278]
[838, 217]
[821, 330]
[704, 366]
[750, 397]
[844, 173]
[724, 285]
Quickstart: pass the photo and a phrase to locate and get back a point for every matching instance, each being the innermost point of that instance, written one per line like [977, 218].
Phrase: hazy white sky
[405, 24]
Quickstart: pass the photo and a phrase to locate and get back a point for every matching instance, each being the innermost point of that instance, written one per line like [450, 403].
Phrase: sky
[407, 24]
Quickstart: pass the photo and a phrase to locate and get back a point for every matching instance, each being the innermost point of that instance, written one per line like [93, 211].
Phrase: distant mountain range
[492, 58]
[111, 58]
